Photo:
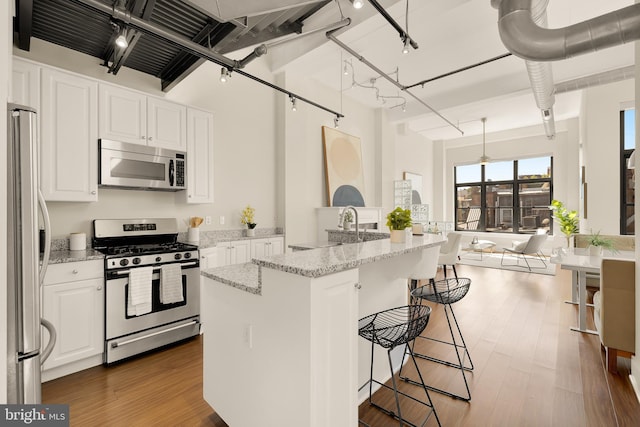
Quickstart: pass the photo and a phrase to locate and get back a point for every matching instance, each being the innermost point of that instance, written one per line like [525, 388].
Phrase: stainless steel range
[152, 285]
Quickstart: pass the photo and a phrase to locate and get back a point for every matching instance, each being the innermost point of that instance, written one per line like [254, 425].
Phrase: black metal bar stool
[446, 292]
[389, 329]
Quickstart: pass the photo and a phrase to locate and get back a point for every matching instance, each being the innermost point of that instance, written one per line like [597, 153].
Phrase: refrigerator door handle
[52, 340]
[47, 236]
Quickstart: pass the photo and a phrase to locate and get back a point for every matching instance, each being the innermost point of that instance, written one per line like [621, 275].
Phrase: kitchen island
[281, 345]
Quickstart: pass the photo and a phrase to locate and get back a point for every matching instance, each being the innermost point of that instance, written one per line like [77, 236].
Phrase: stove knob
[136, 260]
[124, 262]
[187, 255]
[178, 256]
[158, 259]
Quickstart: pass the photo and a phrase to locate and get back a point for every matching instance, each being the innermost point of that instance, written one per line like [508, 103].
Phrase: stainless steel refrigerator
[25, 271]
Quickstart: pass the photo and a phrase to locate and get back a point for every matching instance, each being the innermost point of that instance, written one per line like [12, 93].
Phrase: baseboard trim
[635, 385]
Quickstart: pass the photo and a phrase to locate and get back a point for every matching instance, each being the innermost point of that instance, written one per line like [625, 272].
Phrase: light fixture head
[224, 75]
[357, 4]
[345, 71]
[405, 47]
[121, 40]
[484, 160]
[293, 103]
[336, 122]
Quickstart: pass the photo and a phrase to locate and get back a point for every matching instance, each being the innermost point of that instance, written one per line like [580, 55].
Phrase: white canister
[78, 241]
[193, 235]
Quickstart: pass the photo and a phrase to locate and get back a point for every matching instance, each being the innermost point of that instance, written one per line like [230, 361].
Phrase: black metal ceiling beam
[403, 33]
[195, 49]
[23, 23]
[459, 70]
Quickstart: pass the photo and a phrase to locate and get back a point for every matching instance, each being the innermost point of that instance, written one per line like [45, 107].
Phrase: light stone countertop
[319, 262]
[62, 256]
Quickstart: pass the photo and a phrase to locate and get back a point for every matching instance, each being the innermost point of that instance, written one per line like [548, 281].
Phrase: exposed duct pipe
[522, 37]
[192, 47]
[541, 75]
[522, 25]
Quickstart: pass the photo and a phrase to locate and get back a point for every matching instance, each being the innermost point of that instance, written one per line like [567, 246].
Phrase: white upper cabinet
[130, 116]
[69, 137]
[25, 84]
[123, 115]
[199, 156]
[166, 124]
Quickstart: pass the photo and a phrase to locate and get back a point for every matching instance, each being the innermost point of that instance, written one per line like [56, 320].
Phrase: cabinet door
[199, 156]
[241, 251]
[76, 309]
[166, 124]
[276, 245]
[25, 84]
[123, 115]
[223, 254]
[260, 248]
[209, 258]
[69, 137]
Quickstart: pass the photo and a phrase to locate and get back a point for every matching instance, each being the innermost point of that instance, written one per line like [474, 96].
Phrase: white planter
[398, 236]
[595, 250]
[346, 226]
[251, 232]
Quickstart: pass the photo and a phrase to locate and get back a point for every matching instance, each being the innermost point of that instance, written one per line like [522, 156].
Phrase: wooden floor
[530, 369]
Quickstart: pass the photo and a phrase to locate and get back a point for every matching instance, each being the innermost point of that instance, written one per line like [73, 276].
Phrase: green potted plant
[398, 220]
[247, 218]
[568, 220]
[597, 243]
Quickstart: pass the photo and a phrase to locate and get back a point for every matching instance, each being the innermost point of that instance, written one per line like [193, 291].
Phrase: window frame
[515, 183]
[624, 158]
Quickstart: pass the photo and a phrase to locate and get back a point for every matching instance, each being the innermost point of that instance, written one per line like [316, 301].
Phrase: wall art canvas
[343, 168]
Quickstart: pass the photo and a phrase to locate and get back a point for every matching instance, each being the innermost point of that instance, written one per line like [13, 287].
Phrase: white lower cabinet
[208, 258]
[73, 301]
[267, 247]
[234, 252]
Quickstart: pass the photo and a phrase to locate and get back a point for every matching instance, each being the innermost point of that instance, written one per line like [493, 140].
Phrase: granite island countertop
[319, 262]
[62, 256]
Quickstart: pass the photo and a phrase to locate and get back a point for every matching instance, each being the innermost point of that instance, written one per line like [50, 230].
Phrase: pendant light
[484, 159]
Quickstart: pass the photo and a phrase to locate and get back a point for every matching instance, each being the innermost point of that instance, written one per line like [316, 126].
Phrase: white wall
[601, 145]
[414, 153]
[5, 83]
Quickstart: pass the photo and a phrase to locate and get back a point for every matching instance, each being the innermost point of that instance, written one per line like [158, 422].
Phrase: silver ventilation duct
[524, 38]
[541, 75]
[522, 25]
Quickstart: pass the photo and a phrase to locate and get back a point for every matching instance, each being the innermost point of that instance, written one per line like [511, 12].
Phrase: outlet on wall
[207, 220]
[221, 220]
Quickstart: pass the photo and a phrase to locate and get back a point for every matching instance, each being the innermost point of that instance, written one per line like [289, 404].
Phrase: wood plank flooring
[530, 369]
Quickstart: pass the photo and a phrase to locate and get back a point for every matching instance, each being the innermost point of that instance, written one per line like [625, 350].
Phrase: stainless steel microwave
[135, 166]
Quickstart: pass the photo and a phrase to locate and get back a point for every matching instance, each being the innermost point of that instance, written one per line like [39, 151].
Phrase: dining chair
[528, 250]
[449, 253]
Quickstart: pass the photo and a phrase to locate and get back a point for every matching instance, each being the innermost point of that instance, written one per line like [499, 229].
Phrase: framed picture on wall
[343, 168]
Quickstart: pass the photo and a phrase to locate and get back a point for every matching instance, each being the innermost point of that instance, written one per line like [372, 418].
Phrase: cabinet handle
[75, 271]
[357, 285]
[93, 192]
[150, 138]
[99, 288]
[143, 137]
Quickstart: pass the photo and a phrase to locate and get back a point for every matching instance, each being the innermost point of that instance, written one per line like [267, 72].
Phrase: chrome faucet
[355, 213]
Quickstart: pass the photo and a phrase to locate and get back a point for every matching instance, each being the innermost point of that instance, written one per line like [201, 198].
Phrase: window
[627, 176]
[507, 196]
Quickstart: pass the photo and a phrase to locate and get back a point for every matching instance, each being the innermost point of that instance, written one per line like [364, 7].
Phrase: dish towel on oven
[171, 284]
[139, 300]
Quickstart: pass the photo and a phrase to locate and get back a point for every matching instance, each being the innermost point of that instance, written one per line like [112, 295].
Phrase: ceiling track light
[224, 75]
[336, 122]
[357, 4]
[405, 48]
[121, 40]
[293, 103]
[484, 159]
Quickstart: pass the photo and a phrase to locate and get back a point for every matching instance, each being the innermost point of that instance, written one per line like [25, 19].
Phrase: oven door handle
[121, 343]
[155, 270]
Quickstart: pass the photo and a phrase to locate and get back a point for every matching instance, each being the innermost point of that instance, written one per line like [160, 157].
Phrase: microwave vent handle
[171, 172]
